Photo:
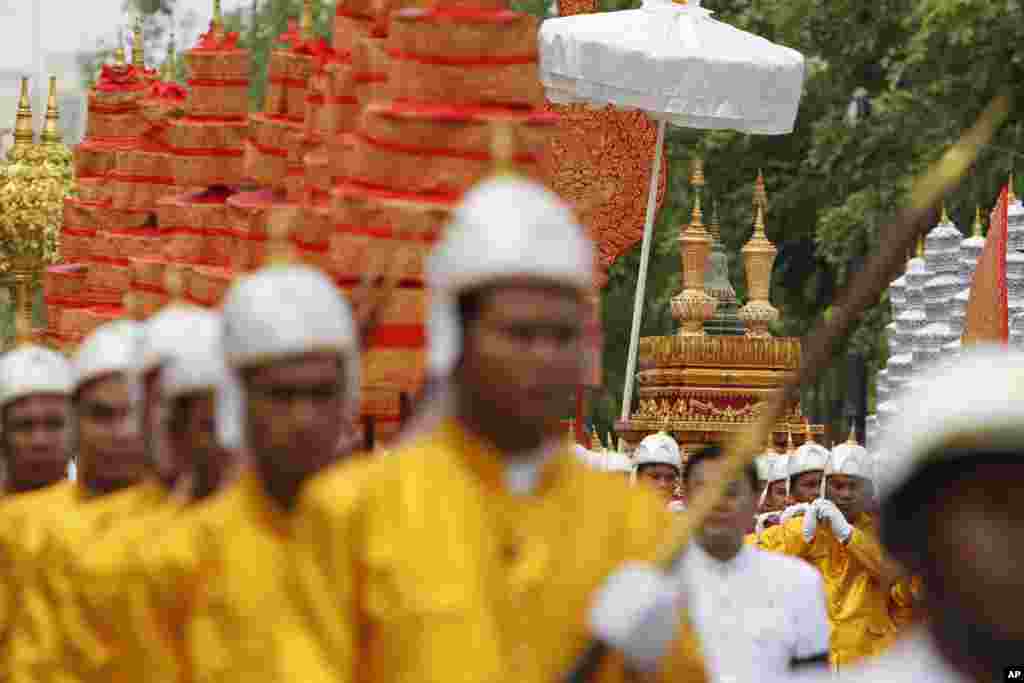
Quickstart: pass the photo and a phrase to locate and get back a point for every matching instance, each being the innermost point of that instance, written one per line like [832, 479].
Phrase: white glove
[763, 519]
[827, 510]
[793, 510]
[810, 524]
[637, 612]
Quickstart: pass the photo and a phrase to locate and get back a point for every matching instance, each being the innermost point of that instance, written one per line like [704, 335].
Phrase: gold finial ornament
[1011, 193]
[51, 127]
[945, 216]
[306, 22]
[174, 283]
[169, 72]
[138, 44]
[919, 251]
[852, 439]
[976, 231]
[132, 305]
[697, 173]
[217, 24]
[279, 245]
[760, 193]
[24, 135]
[503, 148]
[758, 259]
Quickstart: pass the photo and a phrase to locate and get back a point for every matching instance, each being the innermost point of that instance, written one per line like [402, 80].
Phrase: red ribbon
[269, 151]
[383, 232]
[199, 152]
[441, 60]
[77, 232]
[219, 82]
[287, 82]
[135, 232]
[108, 260]
[439, 152]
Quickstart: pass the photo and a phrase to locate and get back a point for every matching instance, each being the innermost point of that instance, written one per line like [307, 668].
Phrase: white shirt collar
[521, 471]
[700, 560]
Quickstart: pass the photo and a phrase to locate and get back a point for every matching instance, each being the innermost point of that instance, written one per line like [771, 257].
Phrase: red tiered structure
[362, 149]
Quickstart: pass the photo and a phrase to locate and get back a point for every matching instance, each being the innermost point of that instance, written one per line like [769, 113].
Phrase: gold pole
[24, 135]
[51, 127]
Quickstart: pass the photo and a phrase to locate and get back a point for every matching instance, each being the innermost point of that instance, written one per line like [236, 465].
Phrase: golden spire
[51, 126]
[503, 148]
[759, 224]
[279, 246]
[306, 22]
[760, 193]
[716, 226]
[976, 230]
[132, 307]
[697, 174]
[697, 181]
[945, 216]
[23, 133]
[852, 439]
[174, 283]
[169, 70]
[919, 253]
[138, 44]
[217, 23]
[1012, 193]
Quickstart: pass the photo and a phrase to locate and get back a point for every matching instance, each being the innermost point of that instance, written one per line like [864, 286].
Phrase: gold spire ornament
[138, 44]
[758, 260]
[169, 70]
[306, 21]
[944, 218]
[1011, 193]
[760, 194]
[24, 135]
[852, 439]
[919, 250]
[503, 148]
[51, 135]
[976, 231]
[693, 306]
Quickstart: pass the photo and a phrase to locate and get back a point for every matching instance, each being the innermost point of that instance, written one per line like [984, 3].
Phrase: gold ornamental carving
[599, 160]
[720, 352]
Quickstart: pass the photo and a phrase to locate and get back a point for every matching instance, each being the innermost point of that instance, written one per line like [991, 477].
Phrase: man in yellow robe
[805, 468]
[100, 568]
[218, 585]
[857, 575]
[34, 418]
[110, 460]
[476, 552]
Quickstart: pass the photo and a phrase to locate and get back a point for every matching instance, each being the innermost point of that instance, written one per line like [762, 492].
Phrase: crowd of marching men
[222, 525]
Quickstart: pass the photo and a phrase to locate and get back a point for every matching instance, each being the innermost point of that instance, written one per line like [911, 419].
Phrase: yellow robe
[22, 518]
[79, 645]
[904, 602]
[429, 570]
[101, 587]
[856, 584]
[217, 601]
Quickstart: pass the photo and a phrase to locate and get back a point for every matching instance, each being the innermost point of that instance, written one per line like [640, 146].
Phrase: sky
[70, 25]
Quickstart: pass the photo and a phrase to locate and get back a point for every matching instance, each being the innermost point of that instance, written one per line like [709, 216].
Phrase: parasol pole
[641, 279]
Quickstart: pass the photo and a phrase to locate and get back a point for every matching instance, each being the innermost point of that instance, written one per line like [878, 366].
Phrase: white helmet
[849, 458]
[111, 348]
[617, 462]
[32, 370]
[198, 363]
[504, 227]
[276, 313]
[810, 457]
[166, 333]
[776, 469]
[657, 449]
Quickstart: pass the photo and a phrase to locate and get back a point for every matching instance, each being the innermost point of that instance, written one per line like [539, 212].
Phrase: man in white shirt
[761, 616]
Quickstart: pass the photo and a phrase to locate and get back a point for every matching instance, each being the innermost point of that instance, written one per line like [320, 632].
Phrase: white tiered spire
[942, 257]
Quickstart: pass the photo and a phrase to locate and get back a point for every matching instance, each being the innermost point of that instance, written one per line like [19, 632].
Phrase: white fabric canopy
[677, 64]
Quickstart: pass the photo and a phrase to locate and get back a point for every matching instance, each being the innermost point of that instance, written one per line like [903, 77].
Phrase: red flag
[987, 317]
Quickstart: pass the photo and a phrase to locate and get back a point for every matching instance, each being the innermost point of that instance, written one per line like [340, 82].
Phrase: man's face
[152, 434]
[522, 360]
[664, 478]
[776, 499]
[193, 442]
[730, 519]
[848, 493]
[296, 415]
[110, 449]
[971, 567]
[35, 433]
[806, 487]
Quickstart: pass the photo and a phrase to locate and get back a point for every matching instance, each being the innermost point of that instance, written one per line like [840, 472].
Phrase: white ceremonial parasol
[679, 65]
